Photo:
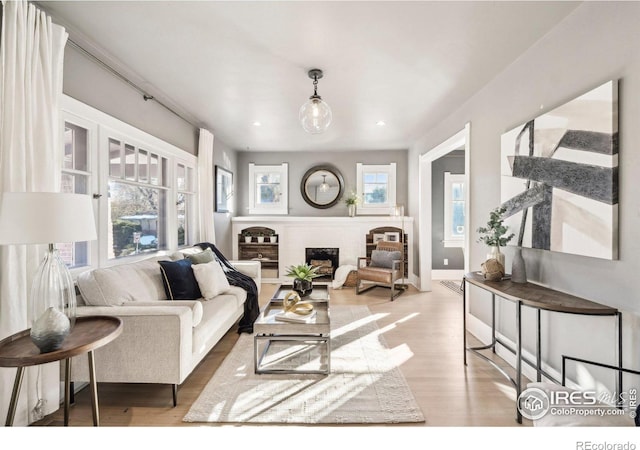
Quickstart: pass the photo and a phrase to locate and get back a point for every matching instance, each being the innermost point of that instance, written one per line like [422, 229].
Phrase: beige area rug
[365, 385]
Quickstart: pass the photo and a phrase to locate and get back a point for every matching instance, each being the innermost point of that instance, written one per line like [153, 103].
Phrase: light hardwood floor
[426, 327]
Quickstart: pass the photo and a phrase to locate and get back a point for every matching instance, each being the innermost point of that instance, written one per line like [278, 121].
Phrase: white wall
[599, 41]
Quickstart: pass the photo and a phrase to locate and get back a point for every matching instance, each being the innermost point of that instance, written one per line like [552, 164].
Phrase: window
[376, 188]
[137, 194]
[185, 185]
[76, 178]
[268, 189]
[453, 210]
[145, 187]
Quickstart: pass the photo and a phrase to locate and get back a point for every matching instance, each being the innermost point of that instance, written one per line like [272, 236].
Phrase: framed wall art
[224, 190]
[559, 177]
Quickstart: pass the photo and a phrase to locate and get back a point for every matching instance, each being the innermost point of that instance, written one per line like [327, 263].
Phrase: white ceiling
[226, 65]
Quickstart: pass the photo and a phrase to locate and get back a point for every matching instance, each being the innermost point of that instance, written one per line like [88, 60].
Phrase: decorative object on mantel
[303, 275]
[352, 201]
[69, 218]
[494, 235]
[492, 270]
[315, 115]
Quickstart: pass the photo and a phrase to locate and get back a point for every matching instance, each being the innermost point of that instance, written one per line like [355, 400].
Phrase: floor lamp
[398, 211]
[48, 218]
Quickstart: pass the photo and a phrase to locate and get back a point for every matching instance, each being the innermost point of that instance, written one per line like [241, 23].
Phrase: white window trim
[283, 207]
[191, 192]
[93, 258]
[382, 209]
[449, 179]
[102, 127]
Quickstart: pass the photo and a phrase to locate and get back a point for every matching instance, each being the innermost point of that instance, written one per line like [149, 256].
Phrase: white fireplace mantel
[295, 234]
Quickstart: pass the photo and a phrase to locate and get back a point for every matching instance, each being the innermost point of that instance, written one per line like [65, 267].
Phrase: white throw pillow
[211, 279]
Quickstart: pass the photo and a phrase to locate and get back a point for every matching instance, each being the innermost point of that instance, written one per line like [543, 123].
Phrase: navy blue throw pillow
[179, 281]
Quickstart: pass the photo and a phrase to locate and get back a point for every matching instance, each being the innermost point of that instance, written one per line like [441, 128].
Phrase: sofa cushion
[179, 280]
[202, 257]
[116, 285]
[211, 279]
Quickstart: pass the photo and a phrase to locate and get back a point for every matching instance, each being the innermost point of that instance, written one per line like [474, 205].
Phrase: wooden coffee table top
[87, 334]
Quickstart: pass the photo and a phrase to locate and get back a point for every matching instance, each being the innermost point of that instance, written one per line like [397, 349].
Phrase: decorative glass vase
[495, 253]
[352, 210]
[53, 303]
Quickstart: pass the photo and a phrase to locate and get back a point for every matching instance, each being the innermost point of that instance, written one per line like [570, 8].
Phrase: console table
[540, 298]
[88, 334]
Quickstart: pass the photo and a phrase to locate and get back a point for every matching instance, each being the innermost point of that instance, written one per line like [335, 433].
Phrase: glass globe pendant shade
[315, 115]
[53, 303]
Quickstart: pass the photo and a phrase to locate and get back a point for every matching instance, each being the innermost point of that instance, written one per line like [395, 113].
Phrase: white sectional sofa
[162, 340]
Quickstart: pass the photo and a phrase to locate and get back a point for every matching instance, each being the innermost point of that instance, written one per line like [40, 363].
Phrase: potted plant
[247, 236]
[303, 275]
[260, 237]
[352, 201]
[495, 234]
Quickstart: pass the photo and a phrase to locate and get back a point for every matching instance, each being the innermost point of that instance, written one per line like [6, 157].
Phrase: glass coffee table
[289, 347]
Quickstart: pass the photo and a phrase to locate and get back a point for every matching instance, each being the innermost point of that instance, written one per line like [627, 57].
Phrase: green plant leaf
[302, 272]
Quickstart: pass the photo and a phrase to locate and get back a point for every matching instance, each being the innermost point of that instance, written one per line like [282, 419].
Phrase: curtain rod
[145, 95]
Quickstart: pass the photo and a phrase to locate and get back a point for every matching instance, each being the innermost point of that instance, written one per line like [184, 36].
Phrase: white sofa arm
[155, 345]
[250, 268]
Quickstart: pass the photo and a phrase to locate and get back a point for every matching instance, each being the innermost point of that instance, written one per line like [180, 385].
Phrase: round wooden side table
[88, 334]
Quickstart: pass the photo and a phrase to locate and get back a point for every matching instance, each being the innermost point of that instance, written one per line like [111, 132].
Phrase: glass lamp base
[53, 303]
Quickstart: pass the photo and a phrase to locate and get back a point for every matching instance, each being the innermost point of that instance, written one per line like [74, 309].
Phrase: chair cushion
[377, 274]
[383, 258]
[211, 279]
[179, 281]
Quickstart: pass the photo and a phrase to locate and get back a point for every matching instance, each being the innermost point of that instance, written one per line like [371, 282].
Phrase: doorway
[459, 141]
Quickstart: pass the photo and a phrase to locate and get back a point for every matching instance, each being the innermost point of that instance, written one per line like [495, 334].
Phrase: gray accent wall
[454, 163]
[597, 42]
[226, 158]
[300, 162]
[88, 82]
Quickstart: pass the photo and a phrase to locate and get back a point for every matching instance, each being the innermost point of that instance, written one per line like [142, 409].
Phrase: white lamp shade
[46, 218]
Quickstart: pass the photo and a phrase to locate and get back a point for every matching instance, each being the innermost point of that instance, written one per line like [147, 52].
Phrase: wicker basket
[351, 279]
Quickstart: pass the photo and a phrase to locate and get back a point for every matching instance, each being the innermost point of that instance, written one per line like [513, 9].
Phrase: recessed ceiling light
[381, 123]
[257, 124]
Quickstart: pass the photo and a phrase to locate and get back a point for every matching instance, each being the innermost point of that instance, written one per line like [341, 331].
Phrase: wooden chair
[382, 276]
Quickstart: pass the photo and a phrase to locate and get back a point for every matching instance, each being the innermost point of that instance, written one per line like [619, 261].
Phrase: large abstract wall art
[559, 177]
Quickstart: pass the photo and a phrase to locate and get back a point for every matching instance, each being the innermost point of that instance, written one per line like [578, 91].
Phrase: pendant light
[315, 114]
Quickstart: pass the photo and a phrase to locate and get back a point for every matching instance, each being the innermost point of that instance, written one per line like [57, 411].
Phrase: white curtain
[206, 186]
[31, 61]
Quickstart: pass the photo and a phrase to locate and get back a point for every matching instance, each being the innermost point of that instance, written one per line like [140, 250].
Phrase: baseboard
[447, 274]
[482, 332]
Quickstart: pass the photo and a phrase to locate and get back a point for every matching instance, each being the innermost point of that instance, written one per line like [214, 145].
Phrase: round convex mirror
[322, 186]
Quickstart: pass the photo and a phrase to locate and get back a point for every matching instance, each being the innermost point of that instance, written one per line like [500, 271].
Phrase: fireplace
[326, 259]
